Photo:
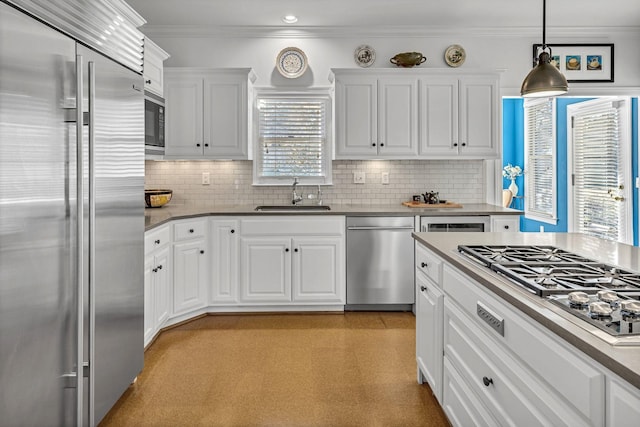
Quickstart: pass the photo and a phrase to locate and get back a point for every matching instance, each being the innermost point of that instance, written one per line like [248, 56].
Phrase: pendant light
[545, 79]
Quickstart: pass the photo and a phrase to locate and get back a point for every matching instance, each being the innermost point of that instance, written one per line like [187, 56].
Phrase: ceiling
[370, 14]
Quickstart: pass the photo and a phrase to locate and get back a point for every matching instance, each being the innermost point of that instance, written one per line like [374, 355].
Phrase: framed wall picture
[581, 63]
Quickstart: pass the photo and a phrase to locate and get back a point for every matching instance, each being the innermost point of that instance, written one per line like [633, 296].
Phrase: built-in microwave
[153, 124]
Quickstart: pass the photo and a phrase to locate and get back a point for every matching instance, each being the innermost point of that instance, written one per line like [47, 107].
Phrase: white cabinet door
[266, 269]
[438, 116]
[162, 286]
[224, 261]
[184, 116]
[154, 56]
[397, 117]
[318, 270]
[429, 335]
[623, 404]
[225, 117]
[356, 117]
[190, 268]
[207, 113]
[478, 120]
[149, 299]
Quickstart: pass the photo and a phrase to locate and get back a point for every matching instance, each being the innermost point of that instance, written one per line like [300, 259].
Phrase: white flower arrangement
[511, 172]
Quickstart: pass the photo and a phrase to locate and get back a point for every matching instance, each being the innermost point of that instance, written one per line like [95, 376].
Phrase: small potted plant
[512, 172]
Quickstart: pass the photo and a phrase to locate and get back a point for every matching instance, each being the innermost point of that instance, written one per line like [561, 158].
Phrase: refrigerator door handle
[92, 241]
[80, 239]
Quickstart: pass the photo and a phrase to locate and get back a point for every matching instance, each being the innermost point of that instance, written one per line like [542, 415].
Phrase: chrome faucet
[295, 198]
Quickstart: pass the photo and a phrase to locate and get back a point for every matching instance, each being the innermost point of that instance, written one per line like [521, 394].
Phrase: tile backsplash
[460, 181]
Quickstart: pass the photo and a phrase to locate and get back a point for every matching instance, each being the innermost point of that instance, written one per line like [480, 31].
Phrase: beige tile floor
[347, 369]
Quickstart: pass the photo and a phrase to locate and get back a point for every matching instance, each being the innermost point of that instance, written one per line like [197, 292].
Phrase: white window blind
[600, 206]
[540, 160]
[292, 140]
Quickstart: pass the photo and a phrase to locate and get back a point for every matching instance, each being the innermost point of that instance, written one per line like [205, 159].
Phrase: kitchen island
[511, 355]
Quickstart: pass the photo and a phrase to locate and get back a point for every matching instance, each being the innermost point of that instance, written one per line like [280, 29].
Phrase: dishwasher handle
[380, 228]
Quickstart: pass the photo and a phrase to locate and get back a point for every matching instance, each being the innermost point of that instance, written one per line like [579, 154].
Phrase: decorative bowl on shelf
[157, 198]
[408, 59]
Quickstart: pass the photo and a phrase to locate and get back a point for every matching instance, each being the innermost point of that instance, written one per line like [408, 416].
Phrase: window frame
[324, 94]
[625, 234]
[550, 217]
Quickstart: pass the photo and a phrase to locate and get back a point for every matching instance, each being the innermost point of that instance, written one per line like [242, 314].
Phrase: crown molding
[288, 32]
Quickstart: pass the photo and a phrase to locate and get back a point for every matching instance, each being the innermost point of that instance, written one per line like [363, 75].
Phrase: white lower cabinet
[224, 258]
[429, 311]
[293, 261]
[190, 265]
[157, 290]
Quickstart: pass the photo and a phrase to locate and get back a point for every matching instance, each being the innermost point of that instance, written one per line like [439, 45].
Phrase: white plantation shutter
[292, 140]
[600, 171]
[540, 160]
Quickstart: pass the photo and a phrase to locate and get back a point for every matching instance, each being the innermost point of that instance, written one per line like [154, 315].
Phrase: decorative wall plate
[455, 55]
[364, 55]
[291, 62]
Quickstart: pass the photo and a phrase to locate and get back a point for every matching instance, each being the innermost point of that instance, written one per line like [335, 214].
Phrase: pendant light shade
[545, 79]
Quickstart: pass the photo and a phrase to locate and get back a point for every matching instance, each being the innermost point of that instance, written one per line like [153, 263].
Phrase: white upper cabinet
[154, 57]
[207, 113]
[459, 116]
[410, 114]
[376, 116]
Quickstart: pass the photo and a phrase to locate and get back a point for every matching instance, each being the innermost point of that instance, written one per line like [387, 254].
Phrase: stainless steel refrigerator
[71, 227]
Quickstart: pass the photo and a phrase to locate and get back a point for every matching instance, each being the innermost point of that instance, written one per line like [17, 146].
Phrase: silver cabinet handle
[380, 228]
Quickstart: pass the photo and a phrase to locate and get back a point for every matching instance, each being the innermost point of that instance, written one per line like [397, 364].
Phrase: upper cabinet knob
[148, 81]
[191, 230]
[233, 231]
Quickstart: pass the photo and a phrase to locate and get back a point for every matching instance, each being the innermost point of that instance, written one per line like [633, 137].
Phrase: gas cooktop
[605, 296]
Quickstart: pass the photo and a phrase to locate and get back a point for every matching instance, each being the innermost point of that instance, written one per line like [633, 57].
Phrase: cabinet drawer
[551, 359]
[157, 238]
[186, 230]
[505, 224]
[429, 264]
[516, 396]
[460, 404]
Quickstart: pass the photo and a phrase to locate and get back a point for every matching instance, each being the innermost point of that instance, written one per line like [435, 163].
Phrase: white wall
[504, 49]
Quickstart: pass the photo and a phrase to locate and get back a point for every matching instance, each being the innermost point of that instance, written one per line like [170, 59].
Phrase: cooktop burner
[604, 295]
[617, 314]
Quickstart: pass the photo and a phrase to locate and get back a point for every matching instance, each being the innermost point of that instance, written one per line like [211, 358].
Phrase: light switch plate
[385, 178]
[206, 180]
[359, 177]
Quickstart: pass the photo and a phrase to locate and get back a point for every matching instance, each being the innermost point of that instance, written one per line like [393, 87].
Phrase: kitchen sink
[292, 208]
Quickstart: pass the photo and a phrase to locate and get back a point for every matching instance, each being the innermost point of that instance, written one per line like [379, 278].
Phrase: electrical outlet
[358, 177]
[206, 178]
[385, 178]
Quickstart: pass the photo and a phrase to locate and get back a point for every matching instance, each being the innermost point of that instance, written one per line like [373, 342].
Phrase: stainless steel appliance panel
[380, 257]
[37, 238]
[153, 124]
[116, 227]
[455, 224]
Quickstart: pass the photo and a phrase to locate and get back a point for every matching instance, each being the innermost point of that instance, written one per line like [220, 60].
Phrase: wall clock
[291, 62]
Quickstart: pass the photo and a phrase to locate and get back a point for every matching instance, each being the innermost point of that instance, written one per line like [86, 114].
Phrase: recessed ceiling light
[289, 19]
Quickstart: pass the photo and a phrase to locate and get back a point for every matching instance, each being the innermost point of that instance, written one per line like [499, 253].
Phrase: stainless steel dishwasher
[380, 270]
